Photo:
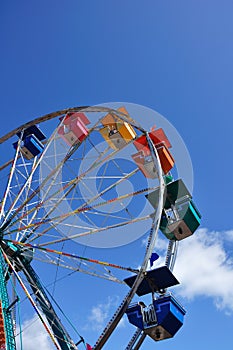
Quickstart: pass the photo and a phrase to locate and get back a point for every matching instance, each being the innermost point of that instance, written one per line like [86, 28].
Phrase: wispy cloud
[34, 336]
[204, 266]
[102, 312]
[228, 235]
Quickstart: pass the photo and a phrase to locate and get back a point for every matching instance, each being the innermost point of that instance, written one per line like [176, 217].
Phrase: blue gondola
[160, 320]
[30, 141]
[32, 130]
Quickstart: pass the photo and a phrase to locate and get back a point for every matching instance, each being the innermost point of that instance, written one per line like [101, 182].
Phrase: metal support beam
[8, 324]
[62, 336]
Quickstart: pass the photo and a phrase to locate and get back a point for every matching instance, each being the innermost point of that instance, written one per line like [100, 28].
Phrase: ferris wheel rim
[52, 115]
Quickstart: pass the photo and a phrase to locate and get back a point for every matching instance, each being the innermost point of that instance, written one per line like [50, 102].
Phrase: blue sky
[174, 57]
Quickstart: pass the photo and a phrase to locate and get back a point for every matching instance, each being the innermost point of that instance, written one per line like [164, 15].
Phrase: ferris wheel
[80, 180]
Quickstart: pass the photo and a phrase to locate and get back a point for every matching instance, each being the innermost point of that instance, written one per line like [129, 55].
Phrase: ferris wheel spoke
[24, 189]
[61, 218]
[73, 256]
[74, 181]
[9, 182]
[70, 185]
[93, 231]
[108, 277]
[46, 219]
[127, 176]
[28, 179]
[81, 264]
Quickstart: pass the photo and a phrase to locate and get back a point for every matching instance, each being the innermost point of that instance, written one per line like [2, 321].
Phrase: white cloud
[161, 243]
[100, 314]
[204, 266]
[34, 336]
[228, 235]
